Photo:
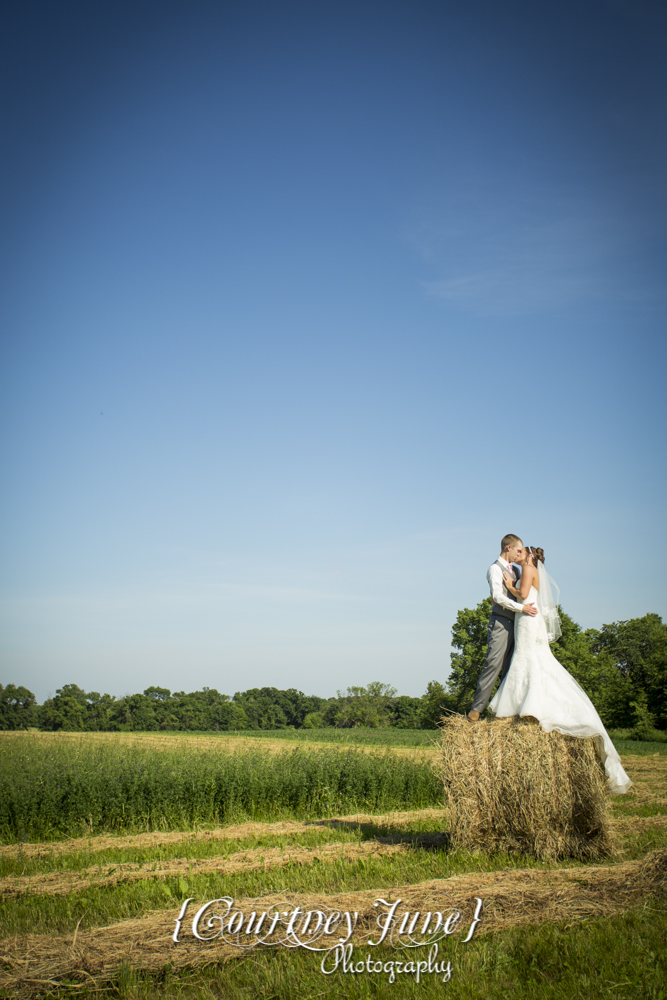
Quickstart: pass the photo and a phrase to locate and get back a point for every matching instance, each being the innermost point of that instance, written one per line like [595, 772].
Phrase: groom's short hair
[508, 540]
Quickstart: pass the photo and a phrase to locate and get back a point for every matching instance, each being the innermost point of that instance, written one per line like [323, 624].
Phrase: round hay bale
[512, 787]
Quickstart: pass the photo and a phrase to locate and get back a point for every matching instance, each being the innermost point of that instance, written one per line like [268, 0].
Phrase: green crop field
[68, 787]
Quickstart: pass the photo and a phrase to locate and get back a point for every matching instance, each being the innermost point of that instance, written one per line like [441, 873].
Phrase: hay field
[223, 742]
[95, 913]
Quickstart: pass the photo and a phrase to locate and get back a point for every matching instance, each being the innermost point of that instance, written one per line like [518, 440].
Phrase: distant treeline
[622, 667]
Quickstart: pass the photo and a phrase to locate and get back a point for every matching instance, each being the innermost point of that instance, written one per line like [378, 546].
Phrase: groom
[500, 635]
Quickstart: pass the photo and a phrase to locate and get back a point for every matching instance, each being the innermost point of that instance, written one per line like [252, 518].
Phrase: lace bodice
[532, 625]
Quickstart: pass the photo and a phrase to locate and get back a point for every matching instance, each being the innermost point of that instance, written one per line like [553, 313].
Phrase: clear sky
[304, 306]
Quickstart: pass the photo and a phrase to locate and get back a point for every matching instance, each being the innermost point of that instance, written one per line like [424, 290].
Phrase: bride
[536, 684]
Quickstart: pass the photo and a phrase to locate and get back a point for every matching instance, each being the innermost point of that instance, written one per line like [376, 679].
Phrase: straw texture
[512, 787]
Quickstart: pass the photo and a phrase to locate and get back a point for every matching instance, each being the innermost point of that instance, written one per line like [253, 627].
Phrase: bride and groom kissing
[524, 620]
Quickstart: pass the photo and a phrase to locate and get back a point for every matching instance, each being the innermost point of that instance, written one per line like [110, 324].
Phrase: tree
[638, 649]
[469, 636]
[17, 707]
[192, 711]
[134, 713]
[262, 708]
[435, 704]
[405, 712]
[362, 706]
[98, 711]
[271, 708]
[224, 713]
[159, 694]
[296, 705]
[314, 720]
[66, 710]
[610, 691]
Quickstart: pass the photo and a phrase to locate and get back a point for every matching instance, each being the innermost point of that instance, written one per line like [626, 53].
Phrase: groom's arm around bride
[500, 636]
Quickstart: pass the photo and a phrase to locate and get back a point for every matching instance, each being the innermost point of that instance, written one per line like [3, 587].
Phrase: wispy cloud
[519, 262]
[525, 270]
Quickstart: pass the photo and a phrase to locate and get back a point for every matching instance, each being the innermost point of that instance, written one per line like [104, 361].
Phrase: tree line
[622, 667]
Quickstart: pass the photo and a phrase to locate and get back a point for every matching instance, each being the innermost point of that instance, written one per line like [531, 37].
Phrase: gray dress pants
[500, 637]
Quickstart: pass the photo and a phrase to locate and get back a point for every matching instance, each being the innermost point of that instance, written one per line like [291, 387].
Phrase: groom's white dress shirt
[497, 586]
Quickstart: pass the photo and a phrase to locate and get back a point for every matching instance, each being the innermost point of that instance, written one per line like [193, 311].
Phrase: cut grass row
[73, 855]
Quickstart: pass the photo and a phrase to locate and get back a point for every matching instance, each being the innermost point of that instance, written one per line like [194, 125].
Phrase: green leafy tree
[17, 707]
[272, 708]
[134, 713]
[192, 710]
[644, 720]
[162, 706]
[434, 705]
[98, 711]
[638, 649]
[224, 713]
[362, 706]
[263, 708]
[273, 717]
[298, 705]
[158, 695]
[405, 712]
[67, 710]
[314, 720]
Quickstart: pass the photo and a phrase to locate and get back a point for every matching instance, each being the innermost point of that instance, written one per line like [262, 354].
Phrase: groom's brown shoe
[472, 716]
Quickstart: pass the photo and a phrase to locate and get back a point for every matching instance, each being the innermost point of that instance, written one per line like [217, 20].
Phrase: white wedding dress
[537, 684]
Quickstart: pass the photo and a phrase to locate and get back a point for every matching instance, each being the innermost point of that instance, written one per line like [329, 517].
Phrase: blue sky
[305, 305]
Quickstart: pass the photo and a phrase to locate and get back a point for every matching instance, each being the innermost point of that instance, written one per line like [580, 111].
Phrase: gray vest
[497, 609]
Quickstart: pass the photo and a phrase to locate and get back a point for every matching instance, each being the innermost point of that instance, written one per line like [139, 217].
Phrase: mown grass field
[105, 836]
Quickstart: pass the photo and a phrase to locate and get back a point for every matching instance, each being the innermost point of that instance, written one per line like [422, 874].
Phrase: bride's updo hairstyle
[537, 555]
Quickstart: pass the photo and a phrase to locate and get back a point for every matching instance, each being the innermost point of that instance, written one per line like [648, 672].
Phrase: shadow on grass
[438, 841]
